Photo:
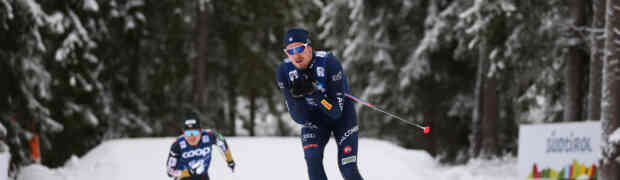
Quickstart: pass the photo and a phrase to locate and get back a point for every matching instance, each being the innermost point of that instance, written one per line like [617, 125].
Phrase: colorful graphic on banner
[571, 171]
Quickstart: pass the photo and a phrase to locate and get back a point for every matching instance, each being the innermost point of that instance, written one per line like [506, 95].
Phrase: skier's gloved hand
[192, 172]
[231, 165]
[303, 85]
[196, 169]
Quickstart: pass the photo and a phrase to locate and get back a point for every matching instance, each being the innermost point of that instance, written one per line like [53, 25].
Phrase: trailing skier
[190, 154]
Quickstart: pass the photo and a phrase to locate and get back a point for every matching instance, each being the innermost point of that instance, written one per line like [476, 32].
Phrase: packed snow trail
[264, 158]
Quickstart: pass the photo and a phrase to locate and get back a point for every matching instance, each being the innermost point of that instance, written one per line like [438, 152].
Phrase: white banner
[559, 150]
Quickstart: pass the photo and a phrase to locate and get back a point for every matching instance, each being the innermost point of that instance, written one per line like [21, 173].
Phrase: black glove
[192, 172]
[303, 85]
[231, 165]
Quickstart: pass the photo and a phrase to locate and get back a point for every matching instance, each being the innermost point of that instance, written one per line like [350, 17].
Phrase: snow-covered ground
[4, 164]
[265, 158]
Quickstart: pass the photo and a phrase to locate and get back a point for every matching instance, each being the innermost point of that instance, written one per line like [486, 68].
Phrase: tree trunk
[252, 119]
[433, 143]
[489, 119]
[476, 136]
[232, 103]
[596, 59]
[199, 64]
[610, 168]
[283, 129]
[574, 72]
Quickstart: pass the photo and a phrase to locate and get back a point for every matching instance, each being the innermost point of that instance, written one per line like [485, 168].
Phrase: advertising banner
[559, 150]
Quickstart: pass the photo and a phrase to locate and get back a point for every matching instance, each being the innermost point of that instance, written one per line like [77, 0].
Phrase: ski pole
[426, 129]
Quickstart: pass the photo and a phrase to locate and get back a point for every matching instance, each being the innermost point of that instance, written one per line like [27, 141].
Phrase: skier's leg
[346, 138]
[314, 139]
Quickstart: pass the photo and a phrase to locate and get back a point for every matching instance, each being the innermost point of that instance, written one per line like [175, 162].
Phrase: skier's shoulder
[208, 132]
[328, 59]
[207, 135]
[286, 65]
[179, 139]
[178, 143]
[322, 54]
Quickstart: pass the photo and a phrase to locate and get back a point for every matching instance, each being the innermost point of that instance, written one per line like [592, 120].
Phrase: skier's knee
[313, 156]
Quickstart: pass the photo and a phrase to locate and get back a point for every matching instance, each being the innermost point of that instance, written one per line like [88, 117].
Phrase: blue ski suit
[182, 156]
[322, 113]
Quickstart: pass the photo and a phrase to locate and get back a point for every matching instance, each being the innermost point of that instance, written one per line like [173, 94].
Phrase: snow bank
[505, 168]
[4, 165]
[38, 171]
[265, 158]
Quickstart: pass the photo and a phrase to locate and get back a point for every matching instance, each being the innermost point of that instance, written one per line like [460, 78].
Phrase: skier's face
[299, 59]
[192, 139]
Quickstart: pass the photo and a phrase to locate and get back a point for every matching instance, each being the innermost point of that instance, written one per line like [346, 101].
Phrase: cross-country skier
[313, 84]
[190, 154]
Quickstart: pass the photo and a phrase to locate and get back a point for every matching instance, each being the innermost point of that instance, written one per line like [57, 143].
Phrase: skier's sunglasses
[192, 132]
[295, 50]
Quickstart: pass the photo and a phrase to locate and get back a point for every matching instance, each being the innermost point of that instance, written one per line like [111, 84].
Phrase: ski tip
[427, 130]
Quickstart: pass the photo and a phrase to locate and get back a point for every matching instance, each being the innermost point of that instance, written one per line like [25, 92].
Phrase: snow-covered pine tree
[373, 40]
[79, 72]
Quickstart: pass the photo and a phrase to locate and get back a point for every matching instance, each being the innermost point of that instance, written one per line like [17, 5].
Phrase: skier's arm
[296, 106]
[223, 145]
[173, 164]
[225, 149]
[331, 100]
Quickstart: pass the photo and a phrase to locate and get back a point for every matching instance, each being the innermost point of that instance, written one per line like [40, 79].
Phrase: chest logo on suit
[197, 152]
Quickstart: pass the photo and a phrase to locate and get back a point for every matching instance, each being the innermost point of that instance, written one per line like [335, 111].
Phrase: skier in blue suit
[313, 84]
[190, 154]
